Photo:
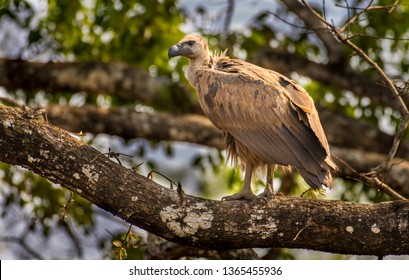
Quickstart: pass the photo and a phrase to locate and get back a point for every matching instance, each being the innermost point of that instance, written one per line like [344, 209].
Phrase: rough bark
[330, 226]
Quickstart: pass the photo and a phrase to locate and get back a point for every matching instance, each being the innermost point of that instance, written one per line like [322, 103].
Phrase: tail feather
[321, 177]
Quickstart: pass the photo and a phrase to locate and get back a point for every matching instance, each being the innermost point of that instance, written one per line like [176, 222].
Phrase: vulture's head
[191, 46]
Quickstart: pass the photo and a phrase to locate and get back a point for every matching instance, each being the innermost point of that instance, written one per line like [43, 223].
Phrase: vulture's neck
[195, 65]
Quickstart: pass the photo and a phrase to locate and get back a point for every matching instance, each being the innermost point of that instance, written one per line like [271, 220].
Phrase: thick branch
[125, 81]
[331, 226]
[74, 76]
[128, 123]
[134, 84]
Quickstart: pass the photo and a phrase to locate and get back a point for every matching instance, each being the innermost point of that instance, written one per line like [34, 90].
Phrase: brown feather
[271, 119]
[266, 118]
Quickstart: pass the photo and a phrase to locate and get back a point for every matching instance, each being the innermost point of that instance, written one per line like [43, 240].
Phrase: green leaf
[117, 243]
[123, 254]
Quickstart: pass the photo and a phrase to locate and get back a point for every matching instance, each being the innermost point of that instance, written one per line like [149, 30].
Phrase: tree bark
[26, 139]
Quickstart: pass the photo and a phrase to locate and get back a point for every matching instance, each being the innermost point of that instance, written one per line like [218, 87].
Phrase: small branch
[355, 17]
[403, 108]
[229, 15]
[21, 242]
[371, 181]
[64, 212]
[287, 22]
[355, 163]
[336, 52]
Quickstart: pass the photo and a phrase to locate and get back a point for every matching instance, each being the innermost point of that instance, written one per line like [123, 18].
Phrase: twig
[112, 154]
[150, 176]
[349, 15]
[403, 109]
[393, 6]
[372, 181]
[369, 7]
[64, 211]
[287, 22]
[307, 224]
[181, 193]
[229, 15]
[355, 17]
[20, 241]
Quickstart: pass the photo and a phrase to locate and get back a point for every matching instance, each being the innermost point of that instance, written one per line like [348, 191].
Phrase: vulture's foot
[241, 195]
[268, 192]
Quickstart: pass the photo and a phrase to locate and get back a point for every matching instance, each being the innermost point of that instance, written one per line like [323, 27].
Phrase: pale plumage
[267, 118]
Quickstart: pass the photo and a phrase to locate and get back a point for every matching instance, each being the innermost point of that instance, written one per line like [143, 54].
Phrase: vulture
[266, 118]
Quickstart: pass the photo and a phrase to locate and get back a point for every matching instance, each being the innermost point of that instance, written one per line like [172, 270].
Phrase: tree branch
[388, 82]
[133, 84]
[354, 162]
[117, 79]
[330, 226]
[336, 52]
[128, 123]
[338, 77]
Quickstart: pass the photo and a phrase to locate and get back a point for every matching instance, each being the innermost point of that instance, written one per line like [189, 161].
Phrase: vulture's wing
[266, 112]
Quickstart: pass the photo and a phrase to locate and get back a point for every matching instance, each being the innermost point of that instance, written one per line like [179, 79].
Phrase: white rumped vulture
[266, 118]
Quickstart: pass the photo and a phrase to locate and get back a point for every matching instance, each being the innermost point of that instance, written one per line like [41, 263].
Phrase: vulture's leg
[269, 189]
[246, 192]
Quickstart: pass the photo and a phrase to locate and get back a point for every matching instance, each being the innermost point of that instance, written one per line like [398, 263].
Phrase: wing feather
[268, 113]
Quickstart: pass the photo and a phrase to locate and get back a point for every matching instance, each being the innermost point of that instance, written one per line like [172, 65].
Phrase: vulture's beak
[174, 50]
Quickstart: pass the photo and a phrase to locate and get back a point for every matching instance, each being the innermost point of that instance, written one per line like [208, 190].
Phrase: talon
[240, 195]
[267, 195]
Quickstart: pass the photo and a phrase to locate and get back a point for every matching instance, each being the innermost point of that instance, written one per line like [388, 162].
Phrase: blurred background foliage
[37, 214]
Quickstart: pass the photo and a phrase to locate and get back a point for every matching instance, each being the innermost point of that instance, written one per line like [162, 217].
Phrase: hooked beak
[174, 50]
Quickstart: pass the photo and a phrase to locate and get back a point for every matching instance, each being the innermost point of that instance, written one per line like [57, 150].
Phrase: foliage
[127, 245]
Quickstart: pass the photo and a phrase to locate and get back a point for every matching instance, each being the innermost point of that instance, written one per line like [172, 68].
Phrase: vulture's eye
[190, 43]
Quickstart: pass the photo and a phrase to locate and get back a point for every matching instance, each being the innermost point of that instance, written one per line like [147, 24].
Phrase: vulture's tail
[321, 178]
